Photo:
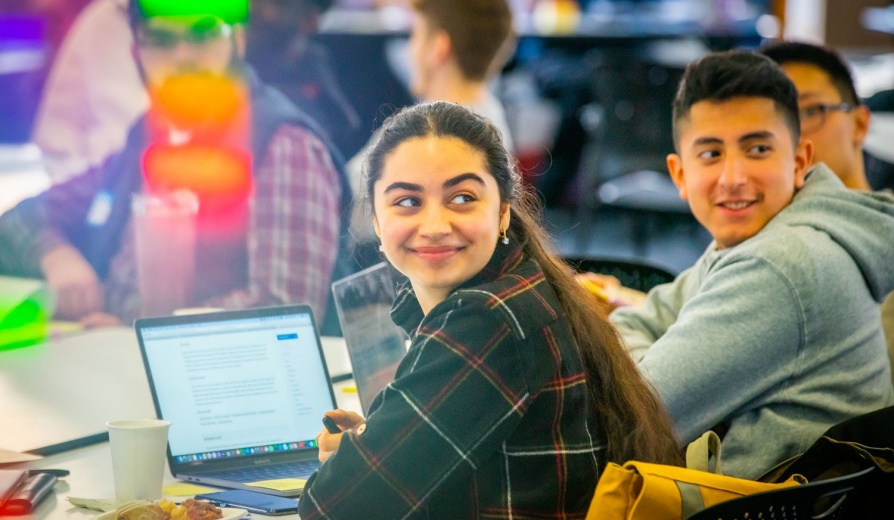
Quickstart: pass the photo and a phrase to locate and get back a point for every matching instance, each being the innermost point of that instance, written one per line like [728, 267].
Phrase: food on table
[189, 509]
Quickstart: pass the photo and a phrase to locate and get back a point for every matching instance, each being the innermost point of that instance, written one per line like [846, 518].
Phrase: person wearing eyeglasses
[774, 334]
[276, 240]
[835, 119]
[832, 115]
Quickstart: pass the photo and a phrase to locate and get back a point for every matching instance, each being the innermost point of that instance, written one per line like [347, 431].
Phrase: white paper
[10, 457]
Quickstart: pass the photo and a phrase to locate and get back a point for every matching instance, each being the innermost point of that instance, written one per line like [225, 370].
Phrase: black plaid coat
[487, 416]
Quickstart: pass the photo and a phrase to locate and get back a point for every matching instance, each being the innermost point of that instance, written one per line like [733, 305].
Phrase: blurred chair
[631, 123]
[823, 499]
[631, 134]
[631, 273]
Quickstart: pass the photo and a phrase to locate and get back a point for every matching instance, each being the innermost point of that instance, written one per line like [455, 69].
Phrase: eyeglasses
[813, 117]
[203, 32]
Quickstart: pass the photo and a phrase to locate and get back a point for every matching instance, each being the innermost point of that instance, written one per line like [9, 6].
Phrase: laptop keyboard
[271, 472]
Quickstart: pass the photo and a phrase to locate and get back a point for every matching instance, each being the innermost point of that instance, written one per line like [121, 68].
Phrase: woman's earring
[503, 237]
[381, 248]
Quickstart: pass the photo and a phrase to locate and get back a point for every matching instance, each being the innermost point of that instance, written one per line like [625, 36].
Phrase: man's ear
[675, 167]
[803, 161]
[441, 47]
[861, 125]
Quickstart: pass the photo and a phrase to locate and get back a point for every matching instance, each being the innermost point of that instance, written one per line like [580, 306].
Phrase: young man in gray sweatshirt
[774, 334]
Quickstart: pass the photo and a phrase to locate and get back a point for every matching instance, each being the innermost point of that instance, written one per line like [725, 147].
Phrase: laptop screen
[375, 344]
[249, 385]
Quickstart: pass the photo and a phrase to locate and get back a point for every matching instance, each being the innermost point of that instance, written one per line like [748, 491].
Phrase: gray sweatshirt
[780, 336]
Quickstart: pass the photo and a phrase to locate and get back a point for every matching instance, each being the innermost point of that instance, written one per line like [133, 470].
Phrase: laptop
[244, 391]
[375, 344]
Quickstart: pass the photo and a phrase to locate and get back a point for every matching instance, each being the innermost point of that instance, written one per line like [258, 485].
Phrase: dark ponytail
[636, 426]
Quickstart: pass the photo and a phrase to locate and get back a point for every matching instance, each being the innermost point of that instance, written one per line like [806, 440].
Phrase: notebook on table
[244, 391]
[375, 344]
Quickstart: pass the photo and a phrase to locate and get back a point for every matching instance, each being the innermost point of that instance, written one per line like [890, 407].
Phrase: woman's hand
[329, 442]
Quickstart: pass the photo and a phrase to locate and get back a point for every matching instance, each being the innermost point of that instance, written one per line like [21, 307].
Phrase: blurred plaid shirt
[292, 235]
[488, 415]
[287, 252]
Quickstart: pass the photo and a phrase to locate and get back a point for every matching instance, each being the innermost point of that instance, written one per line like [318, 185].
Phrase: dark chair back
[632, 273]
[825, 499]
[860, 442]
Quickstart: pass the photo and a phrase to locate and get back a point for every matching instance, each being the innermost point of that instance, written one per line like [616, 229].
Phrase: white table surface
[69, 388]
[72, 386]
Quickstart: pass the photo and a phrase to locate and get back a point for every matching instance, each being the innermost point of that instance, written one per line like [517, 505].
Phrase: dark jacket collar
[406, 311]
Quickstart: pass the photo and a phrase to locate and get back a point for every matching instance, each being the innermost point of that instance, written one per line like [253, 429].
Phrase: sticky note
[281, 484]
[349, 389]
[181, 489]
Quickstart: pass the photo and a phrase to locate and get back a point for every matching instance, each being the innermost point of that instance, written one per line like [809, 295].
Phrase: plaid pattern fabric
[293, 226]
[488, 415]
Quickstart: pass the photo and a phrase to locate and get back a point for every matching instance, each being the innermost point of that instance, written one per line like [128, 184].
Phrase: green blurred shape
[25, 310]
[230, 11]
[23, 326]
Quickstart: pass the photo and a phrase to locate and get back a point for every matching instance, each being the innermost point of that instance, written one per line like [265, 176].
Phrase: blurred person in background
[280, 47]
[832, 115]
[456, 49]
[834, 118]
[282, 231]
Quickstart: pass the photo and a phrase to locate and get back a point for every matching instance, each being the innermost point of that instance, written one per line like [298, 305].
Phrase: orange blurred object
[201, 100]
[219, 176]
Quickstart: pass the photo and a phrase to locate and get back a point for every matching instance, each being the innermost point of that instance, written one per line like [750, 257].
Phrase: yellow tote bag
[644, 491]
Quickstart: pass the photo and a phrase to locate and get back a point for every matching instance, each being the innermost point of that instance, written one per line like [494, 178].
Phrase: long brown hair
[635, 423]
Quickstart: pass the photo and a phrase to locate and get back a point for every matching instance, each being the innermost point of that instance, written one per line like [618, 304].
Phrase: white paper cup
[165, 246]
[138, 457]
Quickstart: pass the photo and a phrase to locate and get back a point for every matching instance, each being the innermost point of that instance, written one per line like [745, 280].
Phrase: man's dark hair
[480, 31]
[722, 76]
[821, 57]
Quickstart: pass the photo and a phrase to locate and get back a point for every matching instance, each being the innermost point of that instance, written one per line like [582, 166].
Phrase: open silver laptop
[245, 392]
[375, 344]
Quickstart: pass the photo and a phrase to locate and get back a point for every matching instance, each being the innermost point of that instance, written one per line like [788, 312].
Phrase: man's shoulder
[273, 113]
[800, 255]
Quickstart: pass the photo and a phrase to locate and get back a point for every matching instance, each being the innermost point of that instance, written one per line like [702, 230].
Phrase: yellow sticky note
[181, 489]
[281, 484]
[64, 328]
[349, 389]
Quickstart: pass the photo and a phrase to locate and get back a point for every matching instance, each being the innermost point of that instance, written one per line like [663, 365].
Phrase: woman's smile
[436, 254]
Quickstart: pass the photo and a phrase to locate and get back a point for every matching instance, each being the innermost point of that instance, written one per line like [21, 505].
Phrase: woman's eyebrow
[463, 177]
[403, 186]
